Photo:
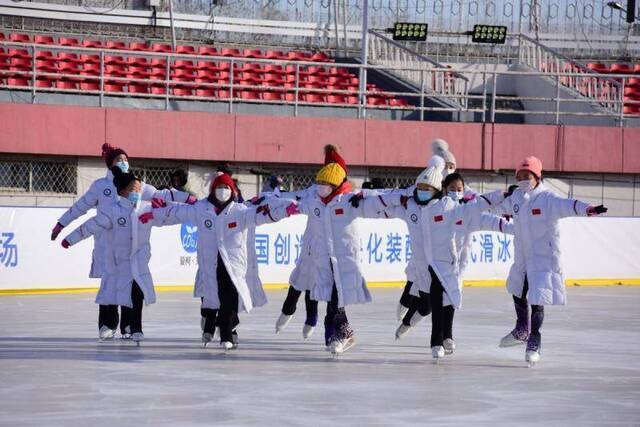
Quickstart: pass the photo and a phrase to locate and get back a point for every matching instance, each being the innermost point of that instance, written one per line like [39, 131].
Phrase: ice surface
[53, 371]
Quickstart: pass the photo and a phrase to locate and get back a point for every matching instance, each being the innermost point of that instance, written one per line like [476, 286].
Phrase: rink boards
[595, 251]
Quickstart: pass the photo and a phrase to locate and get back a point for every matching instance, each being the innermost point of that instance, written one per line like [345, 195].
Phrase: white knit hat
[431, 176]
[437, 162]
[440, 148]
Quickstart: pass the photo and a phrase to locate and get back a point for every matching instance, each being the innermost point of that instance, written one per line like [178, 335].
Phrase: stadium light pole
[363, 52]
[630, 9]
[173, 28]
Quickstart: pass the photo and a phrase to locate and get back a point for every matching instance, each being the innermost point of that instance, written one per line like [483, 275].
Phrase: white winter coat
[537, 243]
[334, 247]
[432, 230]
[103, 193]
[126, 252]
[224, 234]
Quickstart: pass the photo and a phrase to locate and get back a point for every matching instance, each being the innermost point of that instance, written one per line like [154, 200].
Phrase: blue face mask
[424, 195]
[134, 197]
[456, 195]
[124, 166]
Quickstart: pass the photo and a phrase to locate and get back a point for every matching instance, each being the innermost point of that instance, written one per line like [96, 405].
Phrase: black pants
[311, 306]
[522, 314]
[131, 317]
[336, 324]
[441, 317]
[406, 299]
[228, 295]
[420, 304]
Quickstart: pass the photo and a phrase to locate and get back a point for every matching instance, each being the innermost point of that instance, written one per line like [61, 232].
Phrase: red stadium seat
[139, 46]
[336, 99]
[18, 81]
[19, 53]
[248, 94]
[114, 87]
[621, 69]
[206, 93]
[376, 100]
[68, 57]
[114, 44]
[91, 68]
[313, 97]
[272, 96]
[158, 90]
[251, 67]
[40, 39]
[229, 52]
[90, 59]
[320, 57]
[115, 70]
[636, 69]
[139, 70]
[66, 41]
[398, 102]
[207, 74]
[19, 38]
[270, 68]
[186, 49]
[207, 65]
[252, 53]
[114, 60]
[161, 47]
[275, 54]
[207, 50]
[66, 84]
[183, 64]
[68, 67]
[137, 88]
[182, 91]
[137, 61]
[295, 55]
[88, 85]
[45, 82]
[159, 63]
[46, 66]
[96, 44]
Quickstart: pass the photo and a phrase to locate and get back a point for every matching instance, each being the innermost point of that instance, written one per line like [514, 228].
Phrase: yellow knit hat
[331, 173]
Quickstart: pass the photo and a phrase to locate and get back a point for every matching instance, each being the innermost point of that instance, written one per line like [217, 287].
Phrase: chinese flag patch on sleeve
[459, 222]
[438, 218]
[536, 211]
[339, 211]
[233, 225]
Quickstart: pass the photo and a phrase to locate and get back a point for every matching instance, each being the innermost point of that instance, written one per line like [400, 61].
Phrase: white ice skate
[510, 340]
[226, 346]
[282, 322]
[449, 346]
[340, 346]
[127, 333]
[106, 334]
[137, 337]
[532, 357]
[307, 331]
[402, 331]
[401, 310]
[437, 352]
[206, 338]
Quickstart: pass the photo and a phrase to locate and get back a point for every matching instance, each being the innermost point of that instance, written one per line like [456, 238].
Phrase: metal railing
[600, 89]
[170, 86]
[423, 72]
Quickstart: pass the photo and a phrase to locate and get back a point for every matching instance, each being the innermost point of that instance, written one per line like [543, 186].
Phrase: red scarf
[345, 187]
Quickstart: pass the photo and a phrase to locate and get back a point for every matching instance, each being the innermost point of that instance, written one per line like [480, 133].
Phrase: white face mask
[323, 190]
[525, 185]
[124, 166]
[456, 195]
[223, 194]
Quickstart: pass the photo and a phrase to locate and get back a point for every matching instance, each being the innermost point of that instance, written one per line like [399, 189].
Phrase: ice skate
[307, 331]
[137, 337]
[226, 346]
[437, 352]
[206, 338]
[402, 330]
[126, 335]
[532, 355]
[282, 322]
[449, 346]
[514, 338]
[342, 341]
[106, 333]
[401, 311]
[234, 339]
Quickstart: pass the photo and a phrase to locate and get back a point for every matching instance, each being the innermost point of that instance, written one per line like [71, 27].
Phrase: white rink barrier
[596, 250]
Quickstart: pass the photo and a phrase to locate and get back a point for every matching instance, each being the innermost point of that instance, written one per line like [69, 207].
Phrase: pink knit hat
[531, 164]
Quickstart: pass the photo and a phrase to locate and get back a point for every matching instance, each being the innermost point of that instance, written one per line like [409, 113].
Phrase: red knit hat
[531, 164]
[331, 156]
[223, 179]
[109, 153]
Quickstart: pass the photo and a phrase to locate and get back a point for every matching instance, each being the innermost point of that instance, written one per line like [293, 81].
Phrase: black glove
[596, 210]
[257, 200]
[355, 199]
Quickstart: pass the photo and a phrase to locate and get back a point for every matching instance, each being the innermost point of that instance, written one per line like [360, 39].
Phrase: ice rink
[55, 373]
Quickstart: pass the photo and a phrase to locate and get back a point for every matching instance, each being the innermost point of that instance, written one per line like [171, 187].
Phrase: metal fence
[25, 176]
[158, 176]
[294, 92]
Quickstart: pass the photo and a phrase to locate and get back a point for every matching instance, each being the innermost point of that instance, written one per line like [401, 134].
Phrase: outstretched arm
[170, 215]
[88, 201]
[90, 227]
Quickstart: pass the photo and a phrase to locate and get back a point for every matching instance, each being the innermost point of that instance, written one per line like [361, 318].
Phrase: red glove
[146, 217]
[596, 210]
[292, 209]
[65, 244]
[191, 200]
[468, 198]
[157, 203]
[264, 209]
[56, 230]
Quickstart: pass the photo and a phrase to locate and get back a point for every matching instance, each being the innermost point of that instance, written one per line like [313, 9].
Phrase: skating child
[126, 280]
[103, 193]
[536, 276]
[454, 189]
[221, 280]
[431, 220]
[300, 279]
[334, 249]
